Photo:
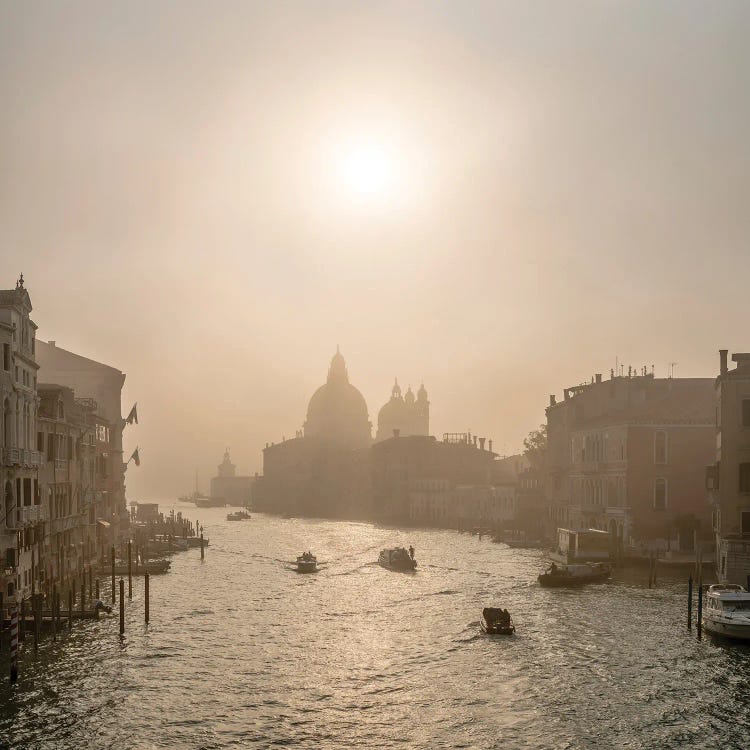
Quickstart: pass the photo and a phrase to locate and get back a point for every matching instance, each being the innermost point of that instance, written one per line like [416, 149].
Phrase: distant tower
[226, 467]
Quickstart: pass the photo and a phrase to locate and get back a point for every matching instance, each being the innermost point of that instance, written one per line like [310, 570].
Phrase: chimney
[396, 432]
[51, 343]
[598, 377]
[490, 446]
[552, 399]
[723, 369]
[566, 394]
[475, 441]
[481, 443]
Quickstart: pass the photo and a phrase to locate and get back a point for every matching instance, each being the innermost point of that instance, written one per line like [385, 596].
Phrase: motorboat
[397, 558]
[564, 576]
[238, 515]
[726, 611]
[496, 621]
[307, 563]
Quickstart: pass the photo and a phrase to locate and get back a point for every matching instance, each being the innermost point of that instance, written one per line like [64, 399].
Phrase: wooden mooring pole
[690, 602]
[145, 595]
[22, 634]
[54, 611]
[113, 574]
[122, 607]
[14, 644]
[70, 609]
[699, 622]
[130, 570]
[203, 554]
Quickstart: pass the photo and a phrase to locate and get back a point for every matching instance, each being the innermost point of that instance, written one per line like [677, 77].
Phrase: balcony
[30, 514]
[11, 456]
[22, 457]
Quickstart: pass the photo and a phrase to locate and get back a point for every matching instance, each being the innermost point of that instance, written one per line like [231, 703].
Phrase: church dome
[409, 397]
[337, 410]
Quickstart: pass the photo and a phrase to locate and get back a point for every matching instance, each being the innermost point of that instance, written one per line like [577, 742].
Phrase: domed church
[337, 411]
[404, 415]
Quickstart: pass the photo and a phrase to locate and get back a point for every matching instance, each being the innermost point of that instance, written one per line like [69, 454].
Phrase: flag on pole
[135, 457]
[133, 416]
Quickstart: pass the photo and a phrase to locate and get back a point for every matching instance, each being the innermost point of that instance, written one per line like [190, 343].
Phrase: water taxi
[496, 621]
[726, 611]
[564, 576]
[307, 563]
[397, 559]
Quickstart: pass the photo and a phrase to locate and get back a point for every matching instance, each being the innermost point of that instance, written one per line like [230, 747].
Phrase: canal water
[242, 652]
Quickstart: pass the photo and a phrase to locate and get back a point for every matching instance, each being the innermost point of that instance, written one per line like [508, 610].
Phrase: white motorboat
[726, 611]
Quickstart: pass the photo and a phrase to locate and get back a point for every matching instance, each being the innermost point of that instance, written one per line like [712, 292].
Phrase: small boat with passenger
[238, 515]
[307, 563]
[726, 611]
[565, 576]
[497, 621]
[397, 558]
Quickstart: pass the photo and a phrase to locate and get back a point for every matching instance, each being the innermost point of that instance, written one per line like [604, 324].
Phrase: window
[745, 412]
[40, 442]
[744, 477]
[50, 446]
[6, 357]
[745, 521]
[660, 448]
[660, 494]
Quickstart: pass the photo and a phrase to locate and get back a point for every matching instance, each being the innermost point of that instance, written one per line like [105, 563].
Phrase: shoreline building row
[333, 467]
[62, 474]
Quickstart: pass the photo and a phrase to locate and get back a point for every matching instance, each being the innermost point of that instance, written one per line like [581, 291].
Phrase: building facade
[623, 457]
[728, 478]
[22, 527]
[415, 474]
[101, 385]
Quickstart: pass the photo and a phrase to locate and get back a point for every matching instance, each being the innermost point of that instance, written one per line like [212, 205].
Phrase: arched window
[660, 447]
[660, 493]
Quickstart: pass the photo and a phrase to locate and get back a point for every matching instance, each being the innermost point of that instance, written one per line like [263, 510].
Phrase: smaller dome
[409, 397]
[422, 393]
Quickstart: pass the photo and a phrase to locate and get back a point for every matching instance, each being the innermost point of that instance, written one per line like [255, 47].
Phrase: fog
[565, 186]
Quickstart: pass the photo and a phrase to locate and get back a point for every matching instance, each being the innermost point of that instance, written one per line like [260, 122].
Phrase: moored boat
[397, 558]
[152, 567]
[726, 611]
[307, 563]
[564, 576]
[238, 515]
[497, 621]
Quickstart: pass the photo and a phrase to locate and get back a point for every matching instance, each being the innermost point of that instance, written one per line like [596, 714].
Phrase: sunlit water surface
[243, 652]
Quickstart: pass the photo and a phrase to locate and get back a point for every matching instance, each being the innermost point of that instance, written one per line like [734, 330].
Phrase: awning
[106, 524]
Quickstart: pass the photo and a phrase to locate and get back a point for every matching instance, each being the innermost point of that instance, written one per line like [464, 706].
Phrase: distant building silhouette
[337, 411]
[404, 415]
[236, 490]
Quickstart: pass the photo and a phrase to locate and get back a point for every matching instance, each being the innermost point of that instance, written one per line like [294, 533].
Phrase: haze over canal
[244, 652]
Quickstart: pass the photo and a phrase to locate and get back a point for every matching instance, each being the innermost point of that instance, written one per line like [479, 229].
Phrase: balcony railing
[30, 514]
[11, 456]
[22, 457]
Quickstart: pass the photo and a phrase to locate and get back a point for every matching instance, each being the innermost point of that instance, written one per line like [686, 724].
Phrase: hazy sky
[498, 198]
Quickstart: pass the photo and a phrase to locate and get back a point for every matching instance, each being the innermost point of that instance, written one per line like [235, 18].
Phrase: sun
[367, 169]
